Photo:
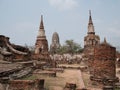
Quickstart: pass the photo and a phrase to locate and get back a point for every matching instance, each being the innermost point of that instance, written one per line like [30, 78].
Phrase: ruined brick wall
[17, 51]
[118, 59]
[42, 57]
[21, 85]
[89, 56]
[3, 40]
[26, 84]
[104, 61]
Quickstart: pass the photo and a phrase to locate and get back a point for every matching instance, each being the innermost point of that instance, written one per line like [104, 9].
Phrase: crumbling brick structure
[118, 59]
[90, 41]
[104, 68]
[41, 45]
[12, 52]
[70, 86]
[37, 84]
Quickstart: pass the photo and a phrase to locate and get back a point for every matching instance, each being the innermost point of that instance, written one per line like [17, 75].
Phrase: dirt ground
[81, 79]
[59, 82]
[87, 82]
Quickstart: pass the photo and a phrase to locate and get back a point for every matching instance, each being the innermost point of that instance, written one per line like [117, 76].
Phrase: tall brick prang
[55, 43]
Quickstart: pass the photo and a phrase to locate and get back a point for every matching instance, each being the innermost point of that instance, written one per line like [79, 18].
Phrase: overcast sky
[20, 19]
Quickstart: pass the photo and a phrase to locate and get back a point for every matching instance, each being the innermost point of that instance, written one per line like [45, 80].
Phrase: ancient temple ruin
[55, 43]
[41, 45]
[104, 64]
[37, 84]
[12, 52]
[90, 41]
[101, 60]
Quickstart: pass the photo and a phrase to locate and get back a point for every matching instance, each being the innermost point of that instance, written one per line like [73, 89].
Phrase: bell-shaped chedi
[41, 45]
[91, 39]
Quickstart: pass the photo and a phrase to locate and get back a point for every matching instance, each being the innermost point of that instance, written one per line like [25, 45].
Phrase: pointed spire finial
[105, 42]
[90, 24]
[90, 12]
[90, 18]
[41, 23]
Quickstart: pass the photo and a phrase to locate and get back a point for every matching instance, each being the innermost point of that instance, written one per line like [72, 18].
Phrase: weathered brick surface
[43, 44]
[103, 65]
[12, 52]
[89, 55]
[118, 59]
[26, 84]
[104, 61]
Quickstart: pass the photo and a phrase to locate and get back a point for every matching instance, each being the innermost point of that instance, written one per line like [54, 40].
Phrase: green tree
[70, 47]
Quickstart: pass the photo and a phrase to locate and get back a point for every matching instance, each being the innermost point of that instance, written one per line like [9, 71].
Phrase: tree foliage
[70, 47]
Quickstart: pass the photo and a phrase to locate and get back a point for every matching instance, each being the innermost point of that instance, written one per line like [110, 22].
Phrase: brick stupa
[41, 45]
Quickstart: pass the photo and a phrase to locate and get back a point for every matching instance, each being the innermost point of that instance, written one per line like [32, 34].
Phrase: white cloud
[63, 4]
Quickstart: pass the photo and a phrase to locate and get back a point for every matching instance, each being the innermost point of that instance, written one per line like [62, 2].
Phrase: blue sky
[20, 19]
